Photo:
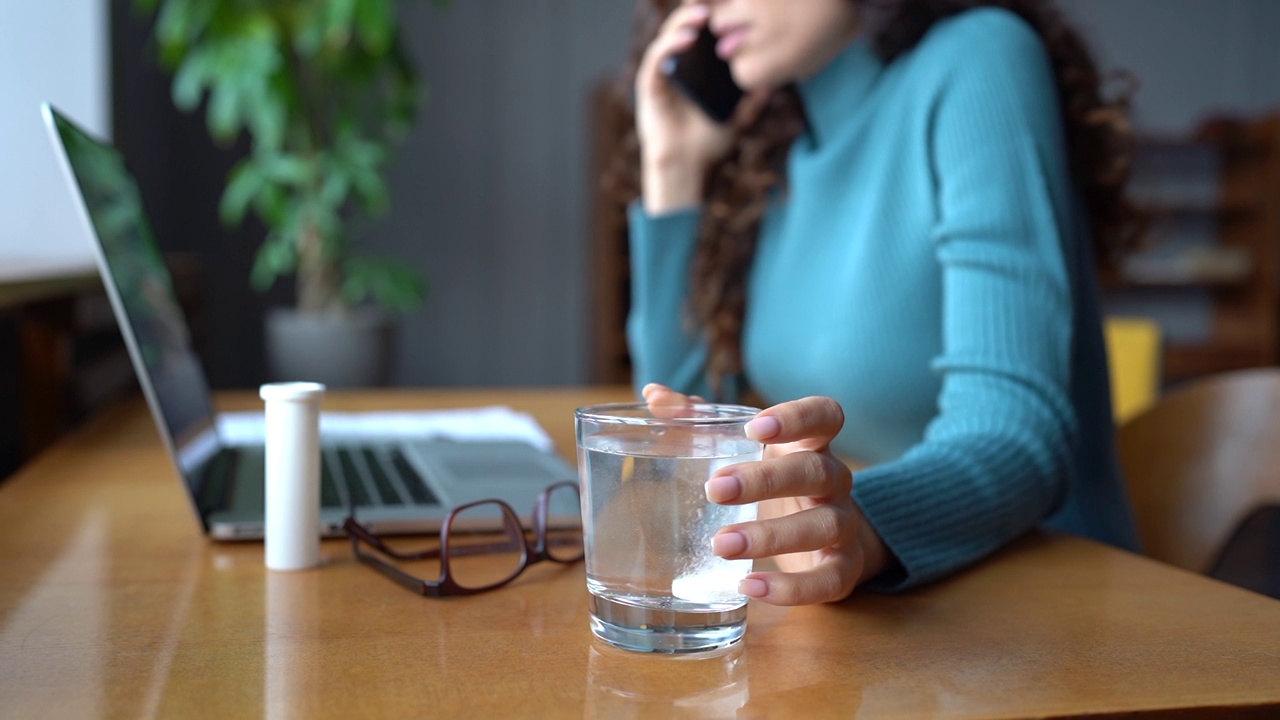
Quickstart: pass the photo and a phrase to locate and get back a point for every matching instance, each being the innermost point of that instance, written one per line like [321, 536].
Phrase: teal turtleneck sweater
[929, 267]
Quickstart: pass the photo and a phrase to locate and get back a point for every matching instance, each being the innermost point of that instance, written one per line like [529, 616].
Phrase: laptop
[396, 485]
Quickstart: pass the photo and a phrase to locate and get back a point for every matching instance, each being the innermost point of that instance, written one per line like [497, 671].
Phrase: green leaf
[258, 26]
[267, 119]
[337, 185]
[174, 21]
[179, 27]
[287, 169]
[270, 204]
[371, 188]
[390, 283]
[404, 94]
[243, 184]
[370, 154]
[309, 32]
[223, 114]
[276, 257]
[191, 78]
[339, 18]
[375, 25]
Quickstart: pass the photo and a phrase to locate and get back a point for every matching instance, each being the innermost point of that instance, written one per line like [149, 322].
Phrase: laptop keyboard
[356, 475]
[417, 490]
[369, 477]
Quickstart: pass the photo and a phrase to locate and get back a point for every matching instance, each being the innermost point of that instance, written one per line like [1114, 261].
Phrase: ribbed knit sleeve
[997, 457]
[664, 345]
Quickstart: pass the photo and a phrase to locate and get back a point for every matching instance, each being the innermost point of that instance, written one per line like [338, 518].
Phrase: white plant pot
[340, 349]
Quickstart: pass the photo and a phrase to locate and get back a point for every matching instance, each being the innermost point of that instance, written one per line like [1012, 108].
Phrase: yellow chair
[1133, 359]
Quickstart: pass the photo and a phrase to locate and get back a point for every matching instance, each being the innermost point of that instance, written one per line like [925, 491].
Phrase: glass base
[658, 630]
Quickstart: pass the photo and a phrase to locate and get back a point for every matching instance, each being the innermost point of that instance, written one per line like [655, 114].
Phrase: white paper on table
[496, 422]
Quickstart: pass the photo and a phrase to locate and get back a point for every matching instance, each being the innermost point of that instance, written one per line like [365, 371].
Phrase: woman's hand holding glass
[808, 522]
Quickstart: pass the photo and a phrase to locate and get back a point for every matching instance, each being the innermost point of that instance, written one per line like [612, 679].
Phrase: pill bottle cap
[291, 391]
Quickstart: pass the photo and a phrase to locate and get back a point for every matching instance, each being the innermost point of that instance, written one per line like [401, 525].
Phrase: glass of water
[654, 583]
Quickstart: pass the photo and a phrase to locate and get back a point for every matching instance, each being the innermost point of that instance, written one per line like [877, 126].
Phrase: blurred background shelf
[1208, 273]
[1213, 266]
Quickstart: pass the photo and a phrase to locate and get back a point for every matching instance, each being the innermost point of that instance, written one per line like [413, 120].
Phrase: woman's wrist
[668, 185]
[875, 554]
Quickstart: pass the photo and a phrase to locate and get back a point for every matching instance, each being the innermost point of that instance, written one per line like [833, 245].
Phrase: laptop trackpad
[506, 470]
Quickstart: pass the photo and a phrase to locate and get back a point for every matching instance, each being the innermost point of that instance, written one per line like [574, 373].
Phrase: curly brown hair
[1099, 140]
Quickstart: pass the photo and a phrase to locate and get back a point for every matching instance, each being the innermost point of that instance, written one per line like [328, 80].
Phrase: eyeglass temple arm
[395, 574]
[358, 532]
[355, 529]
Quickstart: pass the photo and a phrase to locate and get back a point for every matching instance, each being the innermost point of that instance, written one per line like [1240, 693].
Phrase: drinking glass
[654, 583]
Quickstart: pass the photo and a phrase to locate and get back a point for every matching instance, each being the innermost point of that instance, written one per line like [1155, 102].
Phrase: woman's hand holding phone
[678, 142]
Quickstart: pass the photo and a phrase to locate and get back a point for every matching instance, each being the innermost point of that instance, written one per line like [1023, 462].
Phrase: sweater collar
[837, 91]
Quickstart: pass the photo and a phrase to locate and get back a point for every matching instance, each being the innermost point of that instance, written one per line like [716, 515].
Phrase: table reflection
[290, 620]
[625, 684]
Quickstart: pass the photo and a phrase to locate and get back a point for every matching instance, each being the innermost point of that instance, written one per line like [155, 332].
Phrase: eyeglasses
[482, 544]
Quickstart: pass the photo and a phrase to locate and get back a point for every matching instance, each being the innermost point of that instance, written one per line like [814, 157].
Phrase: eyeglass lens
[486, 546]
[564, 524]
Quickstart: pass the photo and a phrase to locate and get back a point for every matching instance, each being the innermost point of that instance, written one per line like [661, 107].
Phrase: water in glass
[654, 583]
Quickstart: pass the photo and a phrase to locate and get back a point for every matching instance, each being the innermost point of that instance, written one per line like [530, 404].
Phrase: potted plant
[322, 88]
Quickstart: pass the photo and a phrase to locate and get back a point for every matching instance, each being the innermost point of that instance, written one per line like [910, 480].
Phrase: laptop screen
[142, 294]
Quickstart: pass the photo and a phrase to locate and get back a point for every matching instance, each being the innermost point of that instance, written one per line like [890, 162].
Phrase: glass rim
[614, 413]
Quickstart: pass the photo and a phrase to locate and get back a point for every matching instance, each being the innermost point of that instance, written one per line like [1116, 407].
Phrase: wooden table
[112, 604]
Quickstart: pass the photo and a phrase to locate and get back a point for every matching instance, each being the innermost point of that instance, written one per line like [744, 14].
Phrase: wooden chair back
[1199, 461]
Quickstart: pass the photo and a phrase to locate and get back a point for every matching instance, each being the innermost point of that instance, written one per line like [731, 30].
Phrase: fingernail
[730, 543]
[723, 488]
[763, 428]
[700, 10]
[644, 391]
[753, 587]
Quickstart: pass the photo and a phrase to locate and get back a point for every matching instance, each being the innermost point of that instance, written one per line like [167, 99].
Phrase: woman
[895, 242]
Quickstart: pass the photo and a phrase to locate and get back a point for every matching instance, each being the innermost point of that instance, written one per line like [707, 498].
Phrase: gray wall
[1193, 57]
[490, 194]
[52, 51]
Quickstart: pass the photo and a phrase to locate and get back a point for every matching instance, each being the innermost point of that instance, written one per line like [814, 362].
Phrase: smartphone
[705, 78]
